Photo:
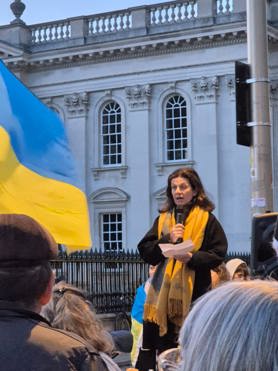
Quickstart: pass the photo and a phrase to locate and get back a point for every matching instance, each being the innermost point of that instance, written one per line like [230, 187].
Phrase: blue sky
[38, 11]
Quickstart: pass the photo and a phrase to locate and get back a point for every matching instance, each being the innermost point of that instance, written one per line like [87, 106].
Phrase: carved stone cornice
[205, 89]
[138, 96]
[77, 103]
[87, 56]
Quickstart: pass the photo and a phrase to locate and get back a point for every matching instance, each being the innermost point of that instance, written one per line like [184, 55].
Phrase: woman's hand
[177, 232]
[184, 258]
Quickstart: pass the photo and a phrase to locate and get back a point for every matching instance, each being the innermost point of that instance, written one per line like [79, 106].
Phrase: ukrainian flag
[37, 171]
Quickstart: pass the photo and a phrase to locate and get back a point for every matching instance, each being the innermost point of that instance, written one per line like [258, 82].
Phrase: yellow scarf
[170, 293]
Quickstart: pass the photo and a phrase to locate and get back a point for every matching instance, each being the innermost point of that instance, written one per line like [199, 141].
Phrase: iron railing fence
[109, 278]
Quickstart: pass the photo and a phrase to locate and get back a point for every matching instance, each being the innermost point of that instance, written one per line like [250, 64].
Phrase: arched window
[111, 133]
[176, 130]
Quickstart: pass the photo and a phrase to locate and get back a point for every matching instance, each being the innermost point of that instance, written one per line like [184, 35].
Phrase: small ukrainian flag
[37, 171]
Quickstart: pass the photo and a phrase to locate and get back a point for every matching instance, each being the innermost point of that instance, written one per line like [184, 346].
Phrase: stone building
[143, 91]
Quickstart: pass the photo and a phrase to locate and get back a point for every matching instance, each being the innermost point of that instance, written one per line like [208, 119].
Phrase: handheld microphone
[179, 220]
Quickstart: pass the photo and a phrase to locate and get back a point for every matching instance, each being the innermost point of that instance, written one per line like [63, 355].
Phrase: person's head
[70, 310]
[238, 269]
[219, 275]
[231, 328]
[184, 187]
[26, 277]
[266, 248]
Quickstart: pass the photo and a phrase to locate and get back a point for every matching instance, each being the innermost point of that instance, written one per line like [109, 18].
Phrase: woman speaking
[182, 278]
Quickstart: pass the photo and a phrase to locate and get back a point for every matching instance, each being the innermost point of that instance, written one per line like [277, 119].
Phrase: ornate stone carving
[138, 96]
[205, 89]
[77, 103]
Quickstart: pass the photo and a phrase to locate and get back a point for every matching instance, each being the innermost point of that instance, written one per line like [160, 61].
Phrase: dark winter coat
[29, 343]
[209, 256]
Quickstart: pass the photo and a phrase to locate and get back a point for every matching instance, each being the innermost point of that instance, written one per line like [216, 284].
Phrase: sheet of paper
[169, 249]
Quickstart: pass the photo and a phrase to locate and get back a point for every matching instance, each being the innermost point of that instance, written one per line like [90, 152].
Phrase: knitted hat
[232, 266]
[24, 242]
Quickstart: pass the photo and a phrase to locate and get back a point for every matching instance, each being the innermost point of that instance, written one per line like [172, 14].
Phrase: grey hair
[231, 328]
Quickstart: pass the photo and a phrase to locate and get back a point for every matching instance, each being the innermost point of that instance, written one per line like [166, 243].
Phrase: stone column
[77, 112]
[138, 161]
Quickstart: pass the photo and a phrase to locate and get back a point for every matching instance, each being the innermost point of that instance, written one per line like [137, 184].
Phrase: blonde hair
[231, 328]
[69, 310]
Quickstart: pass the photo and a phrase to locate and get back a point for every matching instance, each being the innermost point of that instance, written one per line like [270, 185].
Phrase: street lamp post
[261, 154]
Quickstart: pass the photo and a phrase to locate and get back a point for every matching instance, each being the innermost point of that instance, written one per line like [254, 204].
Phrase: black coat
[29, 343]
[209, 256]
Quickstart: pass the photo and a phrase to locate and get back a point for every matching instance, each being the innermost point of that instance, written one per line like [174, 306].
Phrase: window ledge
[97, 171]
[162, 165]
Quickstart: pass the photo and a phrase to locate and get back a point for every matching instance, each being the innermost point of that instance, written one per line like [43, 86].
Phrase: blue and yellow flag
[37, 171]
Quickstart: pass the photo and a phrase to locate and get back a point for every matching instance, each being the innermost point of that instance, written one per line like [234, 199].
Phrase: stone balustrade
[52, 31]
[169, 13]
[141, 20]
[143, 17]
[109, 22]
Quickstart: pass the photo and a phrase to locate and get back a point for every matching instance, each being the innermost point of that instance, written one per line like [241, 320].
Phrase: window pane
[169, 134]
[170, 156]
[106, 139]
[105, 160]
[177, 133]
[177, 123]
[170, 144]
[106, 150]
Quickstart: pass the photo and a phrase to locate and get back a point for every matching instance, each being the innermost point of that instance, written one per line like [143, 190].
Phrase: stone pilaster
[205, 91]
[139, 154]
[77, 106]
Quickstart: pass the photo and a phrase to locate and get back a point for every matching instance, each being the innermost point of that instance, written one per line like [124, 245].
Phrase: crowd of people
[196, 312]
